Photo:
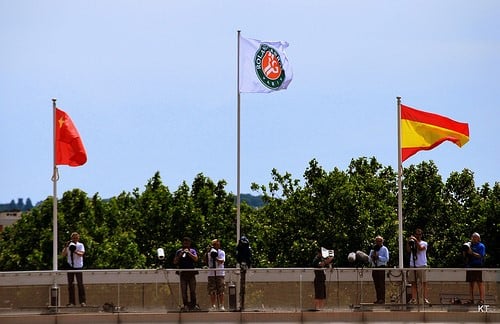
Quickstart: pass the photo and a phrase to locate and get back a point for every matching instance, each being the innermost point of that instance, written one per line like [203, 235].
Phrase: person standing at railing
[474, 256]
[379, 256]
[185, 258]
[215, 259]
[244, 259]
[319, 264]
[418, 259]
[73, 251]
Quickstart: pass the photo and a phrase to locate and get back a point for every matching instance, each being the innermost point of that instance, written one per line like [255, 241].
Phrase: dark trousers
[243, 280]
[188, 280]
[379, 281]
[71, 287]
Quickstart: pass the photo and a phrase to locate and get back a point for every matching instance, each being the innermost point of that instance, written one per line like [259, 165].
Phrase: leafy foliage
[339, 209]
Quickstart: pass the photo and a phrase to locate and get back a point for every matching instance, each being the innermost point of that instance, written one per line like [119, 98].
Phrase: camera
[243, 253]
[161, 254]
[72, 246]
[351, 257]
[359, 257]
[213, 253]
[185, 252]
[413, 244]
[466, 247]
[376, 247]
[325, 253]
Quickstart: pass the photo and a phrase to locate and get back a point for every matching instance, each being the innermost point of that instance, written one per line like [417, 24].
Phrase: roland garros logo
[269, 67]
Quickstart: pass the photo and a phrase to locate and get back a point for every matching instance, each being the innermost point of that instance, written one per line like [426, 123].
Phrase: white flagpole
[238, 201]
[400, 207]
[400, 189]
[55, 177]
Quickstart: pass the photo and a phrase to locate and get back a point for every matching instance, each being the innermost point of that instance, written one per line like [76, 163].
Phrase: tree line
[341, 210]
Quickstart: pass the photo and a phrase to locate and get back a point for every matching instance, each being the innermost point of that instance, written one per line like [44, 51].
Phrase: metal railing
[266, 289]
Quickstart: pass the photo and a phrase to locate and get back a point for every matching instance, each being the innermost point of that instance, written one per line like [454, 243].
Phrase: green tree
[153, 220]
[339, 209]
[489, 205]
[27, 245]
[423, 206]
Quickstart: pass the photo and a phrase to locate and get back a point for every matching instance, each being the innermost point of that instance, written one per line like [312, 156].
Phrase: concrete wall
[266, 289]
[257, 317]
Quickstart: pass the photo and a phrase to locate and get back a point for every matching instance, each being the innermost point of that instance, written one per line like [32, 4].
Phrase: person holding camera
[73, 251]
[418, 259]
[244, 259]
[319, 264]
[379, 256]
[185, 259]
[215, 259]
[474, 258]
[244, 253]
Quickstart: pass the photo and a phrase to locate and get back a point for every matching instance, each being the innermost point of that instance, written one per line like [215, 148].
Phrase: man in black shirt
[319, 263]
[185, 258]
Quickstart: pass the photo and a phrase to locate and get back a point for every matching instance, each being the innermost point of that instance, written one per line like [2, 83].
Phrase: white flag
[264, 66]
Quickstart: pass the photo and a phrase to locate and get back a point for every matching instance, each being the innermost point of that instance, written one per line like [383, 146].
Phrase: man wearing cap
[215, 259]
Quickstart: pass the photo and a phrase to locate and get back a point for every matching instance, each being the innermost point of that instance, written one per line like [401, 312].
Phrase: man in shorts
[418, 260]
[215, 259]
[475, 259]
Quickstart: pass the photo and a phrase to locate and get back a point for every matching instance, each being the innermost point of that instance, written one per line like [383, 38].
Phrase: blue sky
[151, 86]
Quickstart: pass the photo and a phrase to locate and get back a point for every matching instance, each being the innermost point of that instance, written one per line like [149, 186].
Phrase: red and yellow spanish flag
[422, 130]
[69, 146]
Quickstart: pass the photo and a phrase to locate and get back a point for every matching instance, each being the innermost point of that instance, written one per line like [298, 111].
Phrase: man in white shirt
[418, 259]
[74, 251]
[215, 260]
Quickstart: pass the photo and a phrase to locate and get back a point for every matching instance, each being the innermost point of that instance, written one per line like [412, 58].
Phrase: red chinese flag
[69, 147]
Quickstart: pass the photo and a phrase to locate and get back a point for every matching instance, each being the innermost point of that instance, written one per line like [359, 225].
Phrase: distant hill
[253, 201]
[20, 205]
